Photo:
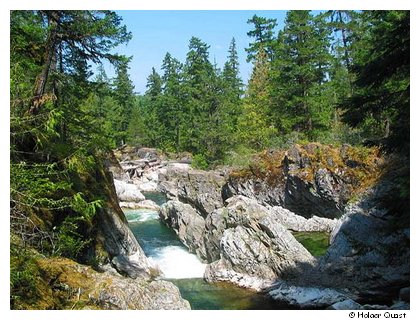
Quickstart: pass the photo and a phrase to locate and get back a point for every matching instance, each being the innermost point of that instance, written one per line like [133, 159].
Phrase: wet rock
[120, 244]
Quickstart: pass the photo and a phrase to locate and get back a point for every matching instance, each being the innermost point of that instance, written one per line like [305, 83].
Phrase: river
[184, 269]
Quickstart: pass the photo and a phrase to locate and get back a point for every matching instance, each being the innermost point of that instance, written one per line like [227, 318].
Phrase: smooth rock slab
[307, 297]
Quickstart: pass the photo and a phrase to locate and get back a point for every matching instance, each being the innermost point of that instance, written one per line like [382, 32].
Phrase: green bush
[23, 277]
[241, 157]
[199, 161]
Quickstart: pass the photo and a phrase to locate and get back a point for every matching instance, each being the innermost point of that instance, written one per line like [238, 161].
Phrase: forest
[334, 77]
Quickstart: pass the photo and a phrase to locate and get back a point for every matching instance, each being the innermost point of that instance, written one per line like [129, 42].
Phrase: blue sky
[158, 32]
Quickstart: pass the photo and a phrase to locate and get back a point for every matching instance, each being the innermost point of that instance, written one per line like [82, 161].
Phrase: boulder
[295, 222]
[145, 204]
[187, 223]
[124, 252]
[128, 192]
[369, 251]
[253, 246]
[200, 189]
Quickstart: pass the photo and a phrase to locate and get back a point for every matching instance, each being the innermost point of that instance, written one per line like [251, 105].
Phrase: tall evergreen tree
[382, 86]
[254, 124]
[172, 112]
[124, 96]
[300, 70]
[232, 89]
[264, 37]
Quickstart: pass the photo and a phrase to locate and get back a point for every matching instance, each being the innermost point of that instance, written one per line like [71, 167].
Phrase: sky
[157, 32]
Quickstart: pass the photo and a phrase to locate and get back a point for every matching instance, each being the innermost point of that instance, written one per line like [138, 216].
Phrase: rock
[307, 297]
[400, 305]
[85, 288]
[309, 180]
[405, 294]
[187, 223]
[346, 305]
[220, 271]
[121, 294]
[368, 252]
[128, 192]
[124, 252]
[254, 246]
[200, 189]
[295, 222]
[145, 204]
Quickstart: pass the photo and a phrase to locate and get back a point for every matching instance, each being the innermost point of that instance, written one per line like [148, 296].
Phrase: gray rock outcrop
[369, 252]
[187, 223]
[295, 222]
[254, 246]
[200, 189]
[85, 288]
[309, 180]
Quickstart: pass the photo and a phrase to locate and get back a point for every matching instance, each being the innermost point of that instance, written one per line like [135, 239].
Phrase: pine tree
[232, 91]
[254, 125]
[382, 86]
[172, 105]
[124, 97]
[300, 70]
[264, 37]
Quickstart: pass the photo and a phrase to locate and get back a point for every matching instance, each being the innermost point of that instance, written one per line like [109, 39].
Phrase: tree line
[334, 77]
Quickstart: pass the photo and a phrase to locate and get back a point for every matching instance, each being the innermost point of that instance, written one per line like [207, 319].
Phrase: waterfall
[162, 246]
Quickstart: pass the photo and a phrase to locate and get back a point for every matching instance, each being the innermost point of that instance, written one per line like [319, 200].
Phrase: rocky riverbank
[241, 223]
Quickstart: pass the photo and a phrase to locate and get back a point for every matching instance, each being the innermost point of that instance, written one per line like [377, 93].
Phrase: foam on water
[177, 263]
[141, 215]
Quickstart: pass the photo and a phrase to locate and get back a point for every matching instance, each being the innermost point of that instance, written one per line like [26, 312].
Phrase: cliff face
[309, 180]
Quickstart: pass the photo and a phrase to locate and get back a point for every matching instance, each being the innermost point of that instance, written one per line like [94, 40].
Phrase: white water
[141, 215]
[174, 261]
[177, 263]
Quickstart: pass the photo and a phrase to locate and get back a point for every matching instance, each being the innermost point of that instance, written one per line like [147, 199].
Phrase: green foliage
[70, 241]
[264, 37]
[382, 86]
[240, 157]
[23, 277]
[61, 123]
[199, 162]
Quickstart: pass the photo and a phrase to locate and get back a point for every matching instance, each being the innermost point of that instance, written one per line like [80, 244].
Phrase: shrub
[199, 161]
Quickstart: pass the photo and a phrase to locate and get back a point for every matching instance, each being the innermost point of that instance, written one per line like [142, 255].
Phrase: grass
[316, 243]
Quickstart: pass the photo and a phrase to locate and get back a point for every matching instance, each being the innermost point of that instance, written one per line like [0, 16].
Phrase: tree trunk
[49, 56]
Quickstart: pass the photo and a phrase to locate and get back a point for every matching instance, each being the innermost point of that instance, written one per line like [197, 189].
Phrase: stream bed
[185, 270]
